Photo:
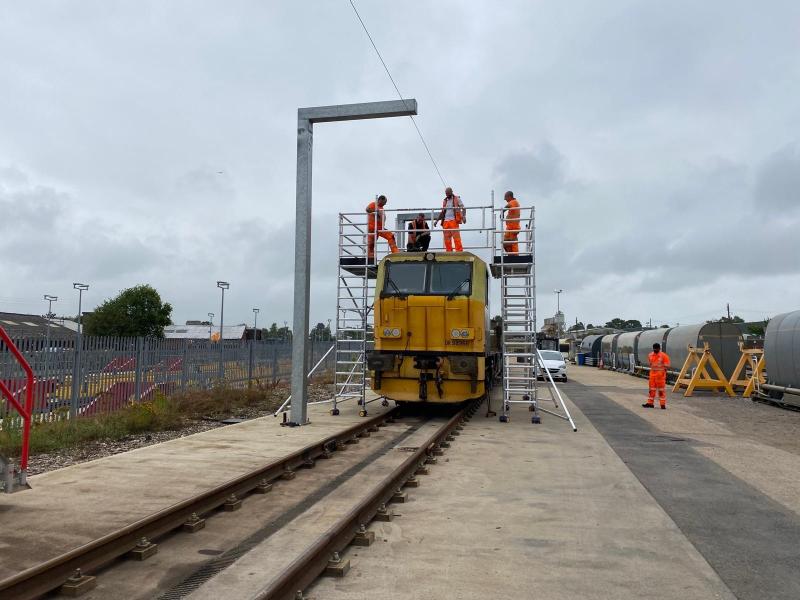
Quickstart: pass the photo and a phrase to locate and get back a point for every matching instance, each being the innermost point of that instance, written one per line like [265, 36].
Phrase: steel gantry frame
[306, 117]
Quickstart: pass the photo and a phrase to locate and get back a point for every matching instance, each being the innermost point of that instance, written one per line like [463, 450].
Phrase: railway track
[103, 552]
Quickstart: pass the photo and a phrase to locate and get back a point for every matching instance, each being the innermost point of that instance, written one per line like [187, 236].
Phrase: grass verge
[159, 414]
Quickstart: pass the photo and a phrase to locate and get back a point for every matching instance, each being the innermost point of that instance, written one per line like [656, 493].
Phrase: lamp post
[210, 324]
[50, 299]
[255, 323]
[222, 285]
[76, 365]
[558, 308]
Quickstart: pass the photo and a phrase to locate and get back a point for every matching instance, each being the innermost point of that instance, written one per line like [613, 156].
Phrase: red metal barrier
[26, 411]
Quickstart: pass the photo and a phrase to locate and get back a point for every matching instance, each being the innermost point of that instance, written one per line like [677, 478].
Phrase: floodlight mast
[306, 117]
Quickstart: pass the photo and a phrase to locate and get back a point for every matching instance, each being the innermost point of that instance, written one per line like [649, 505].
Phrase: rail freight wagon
[434, 341]
[722, 338]
[627, 345]
[590, 346]
[782, 357]
[645, 346]
[608, 346]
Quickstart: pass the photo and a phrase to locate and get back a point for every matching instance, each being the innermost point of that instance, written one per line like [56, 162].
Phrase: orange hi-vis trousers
[510, 241]
[452, 236]
[658, 383]
[371, 239]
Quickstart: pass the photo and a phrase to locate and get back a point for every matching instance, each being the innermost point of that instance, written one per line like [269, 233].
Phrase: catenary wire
[413, 120]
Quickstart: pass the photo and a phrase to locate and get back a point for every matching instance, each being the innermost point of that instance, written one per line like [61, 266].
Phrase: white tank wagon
[722, 338]
[782, 355]
[608, 346]
[591, 345]
[627, 344]
[645, 346]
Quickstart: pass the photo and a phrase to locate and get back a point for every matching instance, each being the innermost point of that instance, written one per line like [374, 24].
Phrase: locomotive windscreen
[427, 278]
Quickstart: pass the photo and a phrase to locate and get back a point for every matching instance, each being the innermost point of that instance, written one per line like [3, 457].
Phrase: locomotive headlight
[387, 332]
[464, 333]
[396, 332]
[455, 333]
[429, 256]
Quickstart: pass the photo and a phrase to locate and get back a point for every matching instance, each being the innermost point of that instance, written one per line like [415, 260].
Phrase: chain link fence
[91, 375]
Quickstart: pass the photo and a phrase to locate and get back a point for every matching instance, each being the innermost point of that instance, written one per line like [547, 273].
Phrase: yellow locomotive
[434, 341]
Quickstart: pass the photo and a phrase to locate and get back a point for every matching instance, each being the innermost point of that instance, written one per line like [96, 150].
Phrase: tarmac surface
[638, 503]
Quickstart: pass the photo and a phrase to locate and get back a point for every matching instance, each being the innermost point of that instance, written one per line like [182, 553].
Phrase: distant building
[205, 332]
[20, 325]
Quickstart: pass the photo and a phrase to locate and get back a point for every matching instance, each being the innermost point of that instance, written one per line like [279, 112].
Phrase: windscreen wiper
[452, 294]
[399, 294]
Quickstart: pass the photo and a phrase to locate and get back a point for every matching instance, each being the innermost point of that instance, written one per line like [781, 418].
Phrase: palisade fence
[108, 373]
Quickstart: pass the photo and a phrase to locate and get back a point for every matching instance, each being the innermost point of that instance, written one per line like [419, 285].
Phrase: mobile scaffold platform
[482, 234]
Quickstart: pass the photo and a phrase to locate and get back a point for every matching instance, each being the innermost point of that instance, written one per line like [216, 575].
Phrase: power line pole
[728, 306]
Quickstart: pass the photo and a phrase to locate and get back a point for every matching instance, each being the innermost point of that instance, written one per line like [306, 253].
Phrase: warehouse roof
[21, 325]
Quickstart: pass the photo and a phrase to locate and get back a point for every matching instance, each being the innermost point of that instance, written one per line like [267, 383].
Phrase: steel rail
[306, 568]
[51, 574]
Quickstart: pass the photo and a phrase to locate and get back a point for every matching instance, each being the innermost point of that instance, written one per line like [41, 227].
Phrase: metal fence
[103, 374]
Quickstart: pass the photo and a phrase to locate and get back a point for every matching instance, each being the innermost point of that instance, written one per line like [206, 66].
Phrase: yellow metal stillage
[700, 378]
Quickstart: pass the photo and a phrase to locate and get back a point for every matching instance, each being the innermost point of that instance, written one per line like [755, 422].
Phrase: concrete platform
[523, 511]
[699, 501]
[75, 505]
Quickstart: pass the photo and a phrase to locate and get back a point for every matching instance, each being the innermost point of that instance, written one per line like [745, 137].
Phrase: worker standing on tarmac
[659, 363]
[511, 219]
[375, 222]
[452, 215]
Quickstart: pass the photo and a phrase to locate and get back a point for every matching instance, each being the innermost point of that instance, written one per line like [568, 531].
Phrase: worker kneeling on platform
[511, 219]
[452, 215]
[659, 363]
[419, 234]
[375, 222]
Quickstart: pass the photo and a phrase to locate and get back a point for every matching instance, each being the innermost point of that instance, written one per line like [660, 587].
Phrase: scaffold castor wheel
[362, 413]
[504, 418]
[335, 412]
[536, 419]
[384, 402]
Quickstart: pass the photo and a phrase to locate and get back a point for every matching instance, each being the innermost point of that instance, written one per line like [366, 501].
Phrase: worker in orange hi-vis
[659, 363]
[375, 222]
[511, 218]
[452, 215]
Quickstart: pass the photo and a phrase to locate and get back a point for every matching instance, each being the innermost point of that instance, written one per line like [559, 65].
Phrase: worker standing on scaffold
[511, 218]
[375, 222]
[452, 215]
[659, 363]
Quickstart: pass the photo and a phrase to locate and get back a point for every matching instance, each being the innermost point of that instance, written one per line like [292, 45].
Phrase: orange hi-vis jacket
[374, 217]
[512, 212]
[659, 363]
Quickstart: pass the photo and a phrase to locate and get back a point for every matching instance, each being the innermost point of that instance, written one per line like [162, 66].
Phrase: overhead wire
[400, 95]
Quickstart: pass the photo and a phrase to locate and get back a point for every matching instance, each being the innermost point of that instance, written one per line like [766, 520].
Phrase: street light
[558, 309]
[255, 323]
[76, 365]
[222, 285]
[50, 299]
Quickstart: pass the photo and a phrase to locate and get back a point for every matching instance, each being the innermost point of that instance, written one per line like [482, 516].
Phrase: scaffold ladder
[354, 314]
[522, 361]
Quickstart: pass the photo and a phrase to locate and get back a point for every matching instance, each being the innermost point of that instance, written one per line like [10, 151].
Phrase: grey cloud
[778, 182]
[540, 170]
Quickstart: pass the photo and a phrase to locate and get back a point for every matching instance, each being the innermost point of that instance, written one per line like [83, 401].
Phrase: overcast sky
[154, 142]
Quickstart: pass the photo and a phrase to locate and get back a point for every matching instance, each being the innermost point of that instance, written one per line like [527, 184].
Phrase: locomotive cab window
[451, 278]
[403, 278]
[427, 279]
